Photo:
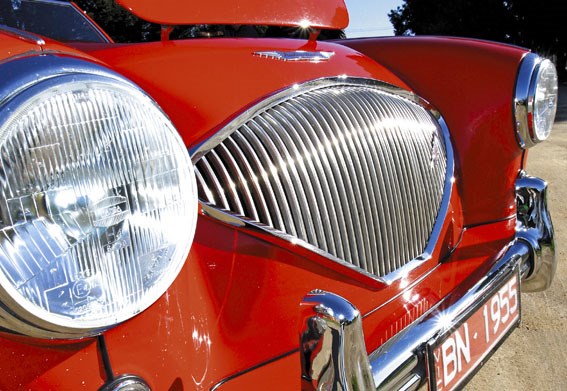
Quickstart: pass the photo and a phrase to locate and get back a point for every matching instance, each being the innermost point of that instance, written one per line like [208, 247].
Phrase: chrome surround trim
[232, 219]
[534, 226]
[524, 99]
[331, 345]
[296, 55]
[28, 71]
[23, 35]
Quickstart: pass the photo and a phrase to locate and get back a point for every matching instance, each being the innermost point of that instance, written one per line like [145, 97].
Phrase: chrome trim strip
[404, 375]
[411, 342]
[297, 55]
[331, 345]
[23, 35]
[534, 226]
[328, 227]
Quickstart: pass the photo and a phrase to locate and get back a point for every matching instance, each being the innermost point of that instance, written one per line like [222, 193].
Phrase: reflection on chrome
[332, 348]
[534, 226]
[297, 55]
[444, 321]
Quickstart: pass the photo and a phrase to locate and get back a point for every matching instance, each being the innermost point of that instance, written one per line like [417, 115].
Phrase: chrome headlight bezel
[29, 80]
[533, 122]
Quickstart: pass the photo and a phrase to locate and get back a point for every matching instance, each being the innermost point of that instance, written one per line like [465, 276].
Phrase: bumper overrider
[332, 349]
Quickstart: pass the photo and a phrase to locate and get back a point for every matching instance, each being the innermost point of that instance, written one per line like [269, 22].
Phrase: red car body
[231, 318]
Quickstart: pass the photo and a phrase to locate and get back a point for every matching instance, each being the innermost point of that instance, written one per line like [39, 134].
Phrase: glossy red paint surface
[12, 46]
[202, 84]
[235, 305]
[28, 364]
[470, 261]
[472, 84]
[282, 13]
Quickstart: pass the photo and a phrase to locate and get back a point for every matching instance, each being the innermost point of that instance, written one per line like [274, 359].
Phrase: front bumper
[332, 344]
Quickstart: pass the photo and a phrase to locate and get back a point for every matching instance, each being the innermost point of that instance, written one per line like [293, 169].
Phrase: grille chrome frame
[295, 91]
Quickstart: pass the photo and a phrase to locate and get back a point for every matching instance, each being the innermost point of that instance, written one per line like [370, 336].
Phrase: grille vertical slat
[335, 175]
[247, 180]
[308, 178]
[272, 182]
[346, 162]
[380, 189]
[305, 134]
[350, 169]
[269, 211]
[369, 224]
[357, 173]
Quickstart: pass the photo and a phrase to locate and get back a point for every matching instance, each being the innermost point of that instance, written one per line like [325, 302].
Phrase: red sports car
[231, 210]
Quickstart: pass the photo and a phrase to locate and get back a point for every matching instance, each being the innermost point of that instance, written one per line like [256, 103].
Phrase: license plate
[456, 355]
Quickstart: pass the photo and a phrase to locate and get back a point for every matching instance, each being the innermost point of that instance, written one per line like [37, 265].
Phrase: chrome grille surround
[336, 165]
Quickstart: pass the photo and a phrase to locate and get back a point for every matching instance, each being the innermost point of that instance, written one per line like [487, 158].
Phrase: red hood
[202, 84]
[316, 13]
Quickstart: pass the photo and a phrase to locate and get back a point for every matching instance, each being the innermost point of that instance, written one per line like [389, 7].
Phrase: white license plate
[456, 355]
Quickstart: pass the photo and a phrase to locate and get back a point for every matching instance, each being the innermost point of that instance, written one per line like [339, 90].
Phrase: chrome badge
[297, 55]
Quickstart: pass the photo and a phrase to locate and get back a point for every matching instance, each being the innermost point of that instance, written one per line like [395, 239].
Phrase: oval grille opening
[353, 170]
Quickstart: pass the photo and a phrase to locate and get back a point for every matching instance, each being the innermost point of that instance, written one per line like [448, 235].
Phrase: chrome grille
[354, 170]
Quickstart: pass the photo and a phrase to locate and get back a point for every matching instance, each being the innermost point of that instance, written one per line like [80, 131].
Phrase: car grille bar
[354, 170]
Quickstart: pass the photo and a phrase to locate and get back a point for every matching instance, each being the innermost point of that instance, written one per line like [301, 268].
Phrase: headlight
[536, 100]
[97, 201]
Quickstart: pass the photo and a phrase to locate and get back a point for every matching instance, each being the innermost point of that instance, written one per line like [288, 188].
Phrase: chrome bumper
[333, 354]
[534, 227]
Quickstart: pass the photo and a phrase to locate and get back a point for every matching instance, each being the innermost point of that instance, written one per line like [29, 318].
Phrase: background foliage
[120, 24]
[541, 26]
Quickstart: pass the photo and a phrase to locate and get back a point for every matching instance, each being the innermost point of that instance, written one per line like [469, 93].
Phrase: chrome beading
[355, 168]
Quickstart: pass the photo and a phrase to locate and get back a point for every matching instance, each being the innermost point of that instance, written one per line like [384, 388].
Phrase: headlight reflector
[536, 100]
[97, 205]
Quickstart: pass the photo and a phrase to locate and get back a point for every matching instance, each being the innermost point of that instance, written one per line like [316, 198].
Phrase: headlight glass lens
[97, 204]
[545, 100]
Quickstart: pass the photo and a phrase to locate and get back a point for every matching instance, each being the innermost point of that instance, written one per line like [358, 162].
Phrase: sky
[370, 17]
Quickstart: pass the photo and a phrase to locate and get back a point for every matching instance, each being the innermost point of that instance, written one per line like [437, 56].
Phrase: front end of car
[250, 213]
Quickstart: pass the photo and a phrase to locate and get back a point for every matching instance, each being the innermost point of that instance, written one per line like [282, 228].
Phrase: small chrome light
[126, 383]
[98, 201]
[536, 100]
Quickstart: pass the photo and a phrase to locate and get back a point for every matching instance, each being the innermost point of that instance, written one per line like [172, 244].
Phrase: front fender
[472, 84]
